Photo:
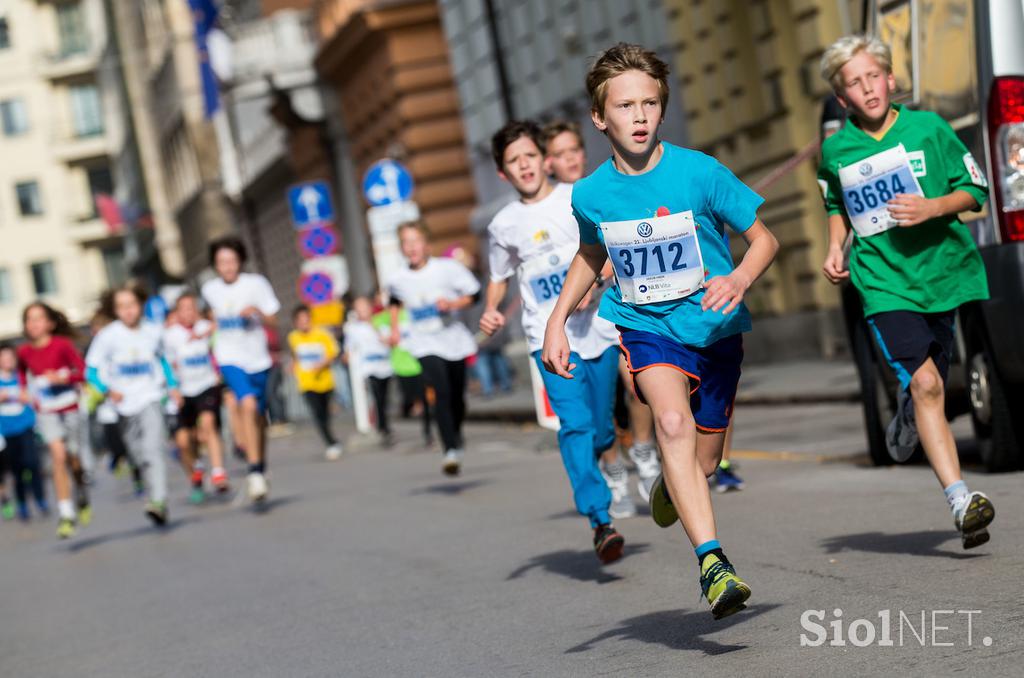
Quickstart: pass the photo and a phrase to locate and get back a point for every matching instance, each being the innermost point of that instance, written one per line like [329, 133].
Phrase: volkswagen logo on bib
[644, 229]
[865, 169]
[553, 259]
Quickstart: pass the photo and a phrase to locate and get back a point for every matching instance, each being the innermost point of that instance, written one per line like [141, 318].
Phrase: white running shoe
[647, 468]
[452, 463]
[256, 486]
[333, 453]
[971, 516]
[617, 478]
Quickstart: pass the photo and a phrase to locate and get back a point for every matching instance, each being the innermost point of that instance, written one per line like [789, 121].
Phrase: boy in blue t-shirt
[659, 213]
[17, 426]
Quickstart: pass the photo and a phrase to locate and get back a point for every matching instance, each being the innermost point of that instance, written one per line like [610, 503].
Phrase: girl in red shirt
[53, 369]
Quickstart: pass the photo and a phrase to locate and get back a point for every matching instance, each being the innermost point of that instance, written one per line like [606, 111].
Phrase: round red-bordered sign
[318, 241]
[315, 288]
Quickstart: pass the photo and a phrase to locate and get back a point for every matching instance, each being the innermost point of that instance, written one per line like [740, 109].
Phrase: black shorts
[207, 401]
[907, 339]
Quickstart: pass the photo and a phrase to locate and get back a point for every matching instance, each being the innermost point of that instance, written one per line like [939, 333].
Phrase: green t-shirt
[404, 363]
[931, 267]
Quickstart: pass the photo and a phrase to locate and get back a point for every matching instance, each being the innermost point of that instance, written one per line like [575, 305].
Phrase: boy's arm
[727, 290]
[910, 209]
[492, 319]
[835, 261]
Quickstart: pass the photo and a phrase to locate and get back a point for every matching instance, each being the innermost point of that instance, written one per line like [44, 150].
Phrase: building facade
[66, 136]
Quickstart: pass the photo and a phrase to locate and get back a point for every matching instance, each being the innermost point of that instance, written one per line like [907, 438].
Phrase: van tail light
[1006, 145]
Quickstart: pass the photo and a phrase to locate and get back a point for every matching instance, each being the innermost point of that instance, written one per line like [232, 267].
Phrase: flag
[205, 14]
[110, 212]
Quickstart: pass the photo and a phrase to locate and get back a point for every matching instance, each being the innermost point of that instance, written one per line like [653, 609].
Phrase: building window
[44, 278]
[5, 33]
[29, 202]
[74, 35]
[13, 117]
[86, 111]
[6, 293]
[114, 263]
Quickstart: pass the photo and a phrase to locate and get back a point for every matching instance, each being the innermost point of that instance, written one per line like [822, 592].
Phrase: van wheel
[992, 406]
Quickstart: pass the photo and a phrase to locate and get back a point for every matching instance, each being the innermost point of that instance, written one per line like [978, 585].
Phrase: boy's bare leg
[929, 396]
[210, 437]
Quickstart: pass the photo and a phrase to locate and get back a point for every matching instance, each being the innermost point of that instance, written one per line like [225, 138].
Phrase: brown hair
[619, 59]
[510, 133]
[556, 127]
[417, 225]
[110, 296]
[61, 325]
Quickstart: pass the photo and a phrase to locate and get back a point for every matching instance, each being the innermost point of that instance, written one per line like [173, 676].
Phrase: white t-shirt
[537, 242]
[430, 331]
[241, 341]
[364, 343]
[128, 361]
[188, 352]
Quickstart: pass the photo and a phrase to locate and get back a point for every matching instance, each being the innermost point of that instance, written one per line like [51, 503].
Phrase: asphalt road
[377, 565]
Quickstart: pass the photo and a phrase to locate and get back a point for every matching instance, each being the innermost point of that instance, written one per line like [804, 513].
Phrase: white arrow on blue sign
[387, 182]
[310, 204]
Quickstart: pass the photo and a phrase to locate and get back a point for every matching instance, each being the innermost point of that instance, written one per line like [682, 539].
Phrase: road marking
[782, 455]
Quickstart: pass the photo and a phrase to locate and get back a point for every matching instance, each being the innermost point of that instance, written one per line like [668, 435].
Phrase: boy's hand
[492, 321]
[177, 397]
[724, 290]
[443, 305]
[115, 396]
[555, 355]
[395, 338]
[910, 209]
[835, 266]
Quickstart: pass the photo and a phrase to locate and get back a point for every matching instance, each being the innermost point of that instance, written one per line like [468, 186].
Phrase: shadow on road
[923, 543]
[271, 504]
[578, 565]
[451, 489]
[141, 531]
[677, 630]
[642, 509]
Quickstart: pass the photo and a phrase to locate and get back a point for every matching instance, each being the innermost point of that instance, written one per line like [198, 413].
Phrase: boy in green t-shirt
[899, 178]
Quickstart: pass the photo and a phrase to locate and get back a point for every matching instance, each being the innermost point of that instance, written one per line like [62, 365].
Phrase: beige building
[747, 73]
[64, 138]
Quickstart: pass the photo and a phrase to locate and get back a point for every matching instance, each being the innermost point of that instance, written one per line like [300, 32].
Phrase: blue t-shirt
[683, 180]
[15, 416]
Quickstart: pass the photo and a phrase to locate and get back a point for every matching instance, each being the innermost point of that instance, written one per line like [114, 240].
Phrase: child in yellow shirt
[313, 351]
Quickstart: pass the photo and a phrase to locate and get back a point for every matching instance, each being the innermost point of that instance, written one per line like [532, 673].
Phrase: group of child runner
[624, 273]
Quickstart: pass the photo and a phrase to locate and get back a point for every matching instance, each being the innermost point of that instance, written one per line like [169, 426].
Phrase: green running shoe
[724, 590]
[84, 515]
[65, 528]
[662, 510]
[7, 510]
[157, 512]
[972, 517]
[196, 496]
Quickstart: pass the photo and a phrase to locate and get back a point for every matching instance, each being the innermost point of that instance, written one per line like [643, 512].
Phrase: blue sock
[955, 492]
[710, 548]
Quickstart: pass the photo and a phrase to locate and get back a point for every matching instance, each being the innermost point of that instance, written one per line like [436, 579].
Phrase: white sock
[66, 509]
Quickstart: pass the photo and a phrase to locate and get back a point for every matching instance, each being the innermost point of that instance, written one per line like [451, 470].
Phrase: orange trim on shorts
[634, 371]
[705, 429]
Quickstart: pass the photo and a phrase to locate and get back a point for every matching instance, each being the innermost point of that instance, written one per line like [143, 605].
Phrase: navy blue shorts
[908, 339]
[713, 371]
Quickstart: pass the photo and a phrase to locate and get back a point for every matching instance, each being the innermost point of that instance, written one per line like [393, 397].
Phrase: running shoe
[44, 507]
[157, 512]
[219, 478]
[452, 463]
[662, 510]
[608, 543]
[23, 514]
[333, 453]
[617, 478]
[726, 479]
[901, 437]
[7, 510]
[139, 488]
[197, 477]
[256, 486]
[65, 528]
[387, 440]
[196, 496]
[84, 514]
[723, 589]
[647, 467]
[971, 516]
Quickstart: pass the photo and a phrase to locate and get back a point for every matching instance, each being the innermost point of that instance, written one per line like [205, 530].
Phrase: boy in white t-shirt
[125, 362]
[535, 238]
[242, 303]
[365, 345]
[434, 290]
[187, 344]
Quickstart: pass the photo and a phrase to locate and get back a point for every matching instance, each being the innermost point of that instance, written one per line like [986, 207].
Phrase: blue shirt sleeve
[172, 380]
[92, 376]
[729, 199]
[588, 229]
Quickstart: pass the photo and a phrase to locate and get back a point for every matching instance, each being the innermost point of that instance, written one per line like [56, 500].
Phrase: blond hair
[842, 50]
[619, 59]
